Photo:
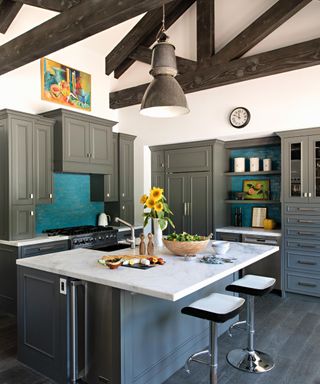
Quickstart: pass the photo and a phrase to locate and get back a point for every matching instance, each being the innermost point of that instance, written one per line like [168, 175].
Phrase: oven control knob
[75, 242]
[99, 238]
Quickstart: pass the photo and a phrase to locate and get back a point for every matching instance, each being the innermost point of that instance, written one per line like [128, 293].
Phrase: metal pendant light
[164, 97]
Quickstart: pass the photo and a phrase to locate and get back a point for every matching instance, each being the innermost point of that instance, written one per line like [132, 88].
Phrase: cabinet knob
[123, 195]
[310, 194]
[31, 213]
[162, 165]
[31, 195]
[50, 196]
[123, 208]
[108, 194]
[305, 194]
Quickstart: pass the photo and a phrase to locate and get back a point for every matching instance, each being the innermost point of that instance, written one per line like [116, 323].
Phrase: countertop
[172, 281]
[48, 239]
[35, 240]
[251, 231]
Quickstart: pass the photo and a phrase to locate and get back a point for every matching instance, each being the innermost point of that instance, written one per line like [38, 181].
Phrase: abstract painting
[64, 85]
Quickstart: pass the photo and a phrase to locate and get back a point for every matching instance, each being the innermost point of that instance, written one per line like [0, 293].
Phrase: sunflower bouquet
[157, 206]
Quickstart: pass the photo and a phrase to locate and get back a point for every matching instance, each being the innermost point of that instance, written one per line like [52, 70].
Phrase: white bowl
[221, 247]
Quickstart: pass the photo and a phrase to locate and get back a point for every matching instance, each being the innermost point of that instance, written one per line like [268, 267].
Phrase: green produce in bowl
[185, 237]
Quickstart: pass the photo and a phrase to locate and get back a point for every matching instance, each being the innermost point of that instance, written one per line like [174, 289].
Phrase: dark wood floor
[288, 329]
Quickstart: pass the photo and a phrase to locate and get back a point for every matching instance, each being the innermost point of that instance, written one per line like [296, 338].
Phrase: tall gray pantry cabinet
[193, 177]
[25, 171]
[301, 210]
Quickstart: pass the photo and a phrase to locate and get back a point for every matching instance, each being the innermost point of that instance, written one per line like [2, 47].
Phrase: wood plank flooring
[288, 329]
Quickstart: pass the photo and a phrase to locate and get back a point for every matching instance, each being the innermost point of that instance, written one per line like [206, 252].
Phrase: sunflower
[158, 207]
[143, 199]
[156, 193]
[150, 203]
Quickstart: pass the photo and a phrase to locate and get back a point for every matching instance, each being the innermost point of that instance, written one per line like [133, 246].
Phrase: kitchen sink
[115, 247]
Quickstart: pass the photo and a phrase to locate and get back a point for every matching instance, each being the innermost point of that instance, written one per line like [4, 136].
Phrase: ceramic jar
[239, 164]
[254, 164]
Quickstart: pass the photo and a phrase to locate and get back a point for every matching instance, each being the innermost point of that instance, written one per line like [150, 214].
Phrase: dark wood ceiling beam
[281, 60]
[8, 11]
[269, 21]
[144, 33]
[52, 5]
[73, 25]
[205, 29]
[144, 54]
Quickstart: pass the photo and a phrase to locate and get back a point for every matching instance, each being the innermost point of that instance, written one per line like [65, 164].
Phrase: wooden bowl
[186, 248]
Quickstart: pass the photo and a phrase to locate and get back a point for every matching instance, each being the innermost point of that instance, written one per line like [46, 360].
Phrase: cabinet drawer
[308, 209]
[188, 159]
[303, 245]
[303, 262]
[267, 240]
[303, 284]
[228, 236]
[44, 248]
[302, 232]
[307, 221]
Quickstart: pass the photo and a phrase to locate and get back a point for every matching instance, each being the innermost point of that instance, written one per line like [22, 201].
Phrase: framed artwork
[258, 216]
[256, 189]
[64, 85]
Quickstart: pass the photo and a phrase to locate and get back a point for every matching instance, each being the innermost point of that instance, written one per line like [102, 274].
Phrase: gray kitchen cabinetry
[193, 178]
[8, 269]
[25, 171]
[301, 208]
[123, 176]
[43, 337]
[106, 187]
[82, 143]
[301, 160]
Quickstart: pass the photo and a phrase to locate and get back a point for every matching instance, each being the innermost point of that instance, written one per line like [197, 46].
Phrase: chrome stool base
[253, 362]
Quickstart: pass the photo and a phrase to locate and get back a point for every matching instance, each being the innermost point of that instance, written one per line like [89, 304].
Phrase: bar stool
[216, 308]
[249, 359]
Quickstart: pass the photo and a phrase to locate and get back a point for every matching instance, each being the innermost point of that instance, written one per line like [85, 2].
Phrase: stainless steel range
[88, 236]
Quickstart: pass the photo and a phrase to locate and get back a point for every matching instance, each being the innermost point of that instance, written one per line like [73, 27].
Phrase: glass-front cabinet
[302, 169]
[314, 169]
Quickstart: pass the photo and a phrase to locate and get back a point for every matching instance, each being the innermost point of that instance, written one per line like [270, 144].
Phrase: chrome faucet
[131, 241]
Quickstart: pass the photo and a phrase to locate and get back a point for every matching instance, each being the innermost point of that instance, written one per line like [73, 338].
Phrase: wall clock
[239, 117]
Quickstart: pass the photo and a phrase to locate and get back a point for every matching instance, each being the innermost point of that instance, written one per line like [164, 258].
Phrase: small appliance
[103, 220]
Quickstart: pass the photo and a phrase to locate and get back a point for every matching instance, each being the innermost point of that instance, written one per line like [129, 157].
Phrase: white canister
[239, 164]
[267, 164]
[254, 164]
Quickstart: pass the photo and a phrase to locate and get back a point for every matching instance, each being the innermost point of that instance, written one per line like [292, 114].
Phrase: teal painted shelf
[252, 202]
[258, 173]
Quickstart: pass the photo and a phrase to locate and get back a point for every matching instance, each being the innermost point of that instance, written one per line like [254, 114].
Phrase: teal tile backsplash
[71, 205]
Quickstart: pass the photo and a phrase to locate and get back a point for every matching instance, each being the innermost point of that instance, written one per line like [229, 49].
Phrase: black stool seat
[252, 285]
[215, 307]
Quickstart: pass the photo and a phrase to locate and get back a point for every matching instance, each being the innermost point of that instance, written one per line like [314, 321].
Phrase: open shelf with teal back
[235, 182]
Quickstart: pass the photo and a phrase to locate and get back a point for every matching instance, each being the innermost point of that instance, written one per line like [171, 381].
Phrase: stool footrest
[237, 325]
[194, 357]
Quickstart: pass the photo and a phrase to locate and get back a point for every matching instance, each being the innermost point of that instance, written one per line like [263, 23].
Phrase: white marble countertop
[251, 231]
[35, 240]
[172, 281]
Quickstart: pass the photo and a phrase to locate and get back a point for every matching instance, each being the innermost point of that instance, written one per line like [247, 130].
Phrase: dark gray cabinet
[43, 342]
[301, 193]
[189, 197]
[25, 171]
[301, 160]
[193, 178]
[106, 187]
[82, 143]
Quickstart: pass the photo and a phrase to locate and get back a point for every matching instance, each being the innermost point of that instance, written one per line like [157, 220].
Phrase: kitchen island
[135, 332]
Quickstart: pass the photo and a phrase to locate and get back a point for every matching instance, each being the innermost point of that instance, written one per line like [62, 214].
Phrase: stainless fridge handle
[74, 329]
[185, 209]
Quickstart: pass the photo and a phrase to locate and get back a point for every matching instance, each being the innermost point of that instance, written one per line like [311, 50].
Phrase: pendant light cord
[161, 36]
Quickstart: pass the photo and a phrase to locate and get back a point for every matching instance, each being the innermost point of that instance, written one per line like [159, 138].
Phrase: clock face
[239, 117]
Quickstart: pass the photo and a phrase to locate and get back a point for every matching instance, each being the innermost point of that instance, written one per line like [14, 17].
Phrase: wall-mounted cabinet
[82, 143]
[25, 171]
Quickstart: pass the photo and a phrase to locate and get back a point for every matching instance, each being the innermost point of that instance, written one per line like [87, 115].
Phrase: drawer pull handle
[306, 262]
[305, 233]
[261, 240]
[305, 221]
[308, 209]
[306, 246]
[307, 284]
